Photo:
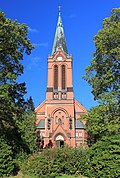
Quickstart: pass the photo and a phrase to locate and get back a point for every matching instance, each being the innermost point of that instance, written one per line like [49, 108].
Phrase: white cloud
[40, 44]
[33, 63]
[72, 16]
[32, 30]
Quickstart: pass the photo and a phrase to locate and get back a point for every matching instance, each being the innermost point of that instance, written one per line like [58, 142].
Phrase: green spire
[59, 40]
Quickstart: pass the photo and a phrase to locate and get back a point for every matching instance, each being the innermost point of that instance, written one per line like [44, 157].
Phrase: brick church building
[57, 116]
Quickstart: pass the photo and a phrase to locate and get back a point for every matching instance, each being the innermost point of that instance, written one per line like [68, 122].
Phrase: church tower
[57, 123]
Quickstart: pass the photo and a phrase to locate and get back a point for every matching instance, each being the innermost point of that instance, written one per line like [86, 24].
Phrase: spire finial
[59, 10]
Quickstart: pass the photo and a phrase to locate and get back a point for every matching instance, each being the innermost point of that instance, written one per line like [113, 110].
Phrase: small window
[70, 122]
[64, 96]
[56, 120]
[55, 95]
[62, 119]
[49, 123]
[59, 121]
[42, 134]
[80, 134]
[76, 134]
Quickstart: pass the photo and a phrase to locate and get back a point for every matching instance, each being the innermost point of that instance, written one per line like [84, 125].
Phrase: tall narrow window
[63, 77]
[70, 122]
[49, 123]
[56, 77]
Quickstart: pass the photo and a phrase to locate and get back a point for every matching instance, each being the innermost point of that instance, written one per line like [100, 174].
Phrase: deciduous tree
[14, 43]
[103, 121]
[103, 73]
[104, 158]
[104, 77]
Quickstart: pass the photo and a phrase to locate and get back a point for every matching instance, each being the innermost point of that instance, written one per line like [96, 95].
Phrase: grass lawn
[20, 175]
[67, 176]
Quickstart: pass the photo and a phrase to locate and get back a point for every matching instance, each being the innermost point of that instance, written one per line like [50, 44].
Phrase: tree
[6, 162]
[103, 73]
[104, 158]
[27, 125]
[100, 122]
[13, 45]
[103, 76]
[30, 105]
[103, 121]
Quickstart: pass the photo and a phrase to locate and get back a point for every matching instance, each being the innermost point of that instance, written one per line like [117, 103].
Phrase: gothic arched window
[56, 77]
[70, 122]
[63, 77]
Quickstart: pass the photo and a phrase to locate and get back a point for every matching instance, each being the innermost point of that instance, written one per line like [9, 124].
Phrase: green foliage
[53, 162]
[27, 129]
[103, 73]
[104, 158]
[20, 175]
[70, 176]
[13, 44]
[6, 159]
[30, 105]
[103, 76]
[101, 121]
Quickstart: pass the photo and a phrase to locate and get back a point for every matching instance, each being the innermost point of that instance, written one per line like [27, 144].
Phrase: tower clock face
[59, 58]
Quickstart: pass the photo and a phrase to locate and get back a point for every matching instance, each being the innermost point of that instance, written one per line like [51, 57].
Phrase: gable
[79, 107]
[41, 108]
[79, 110]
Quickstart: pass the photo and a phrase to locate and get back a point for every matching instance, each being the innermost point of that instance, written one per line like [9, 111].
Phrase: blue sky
[81, 20]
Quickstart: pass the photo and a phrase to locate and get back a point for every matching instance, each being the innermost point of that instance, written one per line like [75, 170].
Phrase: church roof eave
[79, 125]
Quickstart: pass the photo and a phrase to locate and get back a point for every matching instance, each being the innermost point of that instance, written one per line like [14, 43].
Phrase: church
[57, 117]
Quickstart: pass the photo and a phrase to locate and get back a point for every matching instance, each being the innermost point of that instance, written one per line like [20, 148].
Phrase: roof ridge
[40, 105]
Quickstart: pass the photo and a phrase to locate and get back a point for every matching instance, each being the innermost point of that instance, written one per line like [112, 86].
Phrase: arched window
[49, 123]
[56, 77]
[56, 120]
[63, 77]
[70, 122]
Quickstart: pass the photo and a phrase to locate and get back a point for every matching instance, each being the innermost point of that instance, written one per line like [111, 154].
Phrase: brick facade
[56, 117]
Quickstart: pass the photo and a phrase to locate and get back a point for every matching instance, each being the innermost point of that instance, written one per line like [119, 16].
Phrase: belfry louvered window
[63, 77]
[56, 77]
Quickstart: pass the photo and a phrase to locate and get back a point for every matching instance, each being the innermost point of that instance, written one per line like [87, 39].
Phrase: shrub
[104, 158]
[6, 159]
[53, 162]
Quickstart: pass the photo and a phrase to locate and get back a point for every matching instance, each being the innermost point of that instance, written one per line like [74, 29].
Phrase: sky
[81, 19]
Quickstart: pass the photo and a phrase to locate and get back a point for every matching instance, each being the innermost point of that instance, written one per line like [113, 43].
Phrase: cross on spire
[59, 10]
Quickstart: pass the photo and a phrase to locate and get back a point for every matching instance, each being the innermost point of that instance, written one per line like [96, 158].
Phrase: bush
[53, 162]
[104, 158]
[6, 159]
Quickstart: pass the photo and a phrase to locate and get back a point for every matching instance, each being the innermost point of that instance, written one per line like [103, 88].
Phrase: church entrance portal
[59, 141]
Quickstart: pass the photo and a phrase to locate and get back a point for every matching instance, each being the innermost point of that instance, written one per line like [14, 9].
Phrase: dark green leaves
[104, 158]
[13, 44]
[103, 121]
[103, 73]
